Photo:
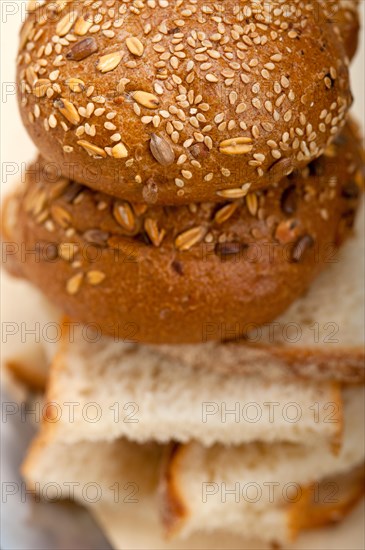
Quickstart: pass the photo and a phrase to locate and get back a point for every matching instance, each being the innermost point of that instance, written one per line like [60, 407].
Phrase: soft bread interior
[161, 400]
[123, 531]
[202, 488]
[52, 466]
[31, 333]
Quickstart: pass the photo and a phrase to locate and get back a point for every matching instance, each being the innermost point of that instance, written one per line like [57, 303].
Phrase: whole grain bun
[163, 274]
[178, 102]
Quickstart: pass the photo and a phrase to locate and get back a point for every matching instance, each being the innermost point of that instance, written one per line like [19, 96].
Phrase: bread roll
[164, 274]
[180, 102]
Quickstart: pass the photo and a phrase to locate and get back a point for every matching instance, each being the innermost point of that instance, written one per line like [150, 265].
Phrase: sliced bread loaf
[107, 390]
[215, 488]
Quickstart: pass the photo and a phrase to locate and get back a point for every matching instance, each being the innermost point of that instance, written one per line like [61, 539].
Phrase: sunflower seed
[68, 110]
[301, 246]
[96, 237]
[162, 150]
[146, 99]
[135, 46]
[75, 84]
[153, 232]
[65, 24]
[281, 168]
[109, 62]
[73, 284]
[95, 277]
[82, 49]
[189, 238]
[40, 87]
[93, 150]
[228, 249]
[224, 213]
[236, 146]
[199, 150]
[124, 216]
[288, 200]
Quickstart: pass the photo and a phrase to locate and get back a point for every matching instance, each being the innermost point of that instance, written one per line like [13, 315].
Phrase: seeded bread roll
[180, 102]
[164, 274]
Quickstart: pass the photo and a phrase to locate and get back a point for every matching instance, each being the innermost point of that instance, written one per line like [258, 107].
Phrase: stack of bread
[197, 178]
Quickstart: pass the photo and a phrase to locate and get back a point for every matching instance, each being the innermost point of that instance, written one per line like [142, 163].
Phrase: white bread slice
[196, 480]
[141, 395]
[124, 531]
[98, 472]
[94, 470]
[30, 331]
[114, 472]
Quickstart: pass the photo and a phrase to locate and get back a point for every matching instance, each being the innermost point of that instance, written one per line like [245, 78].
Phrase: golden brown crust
[173, 511]
[337, 400]
[164, 275]
[322, 503]
[328, 501]
[345, 365]
[179, 104]
[33, 379]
